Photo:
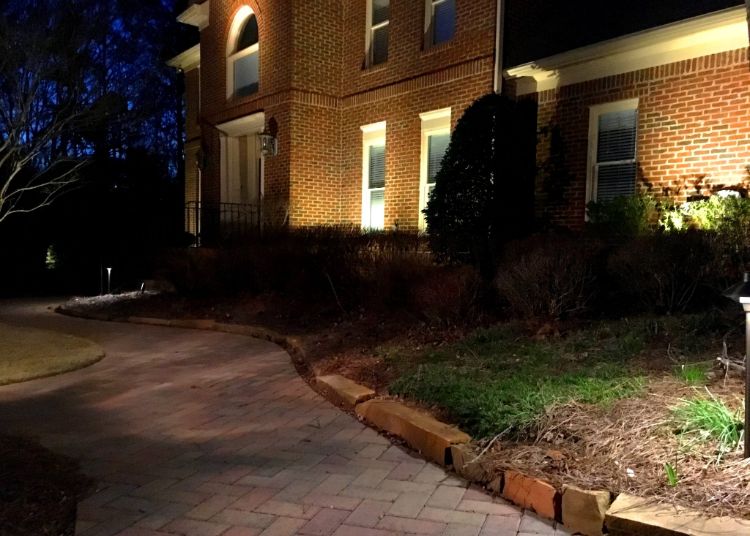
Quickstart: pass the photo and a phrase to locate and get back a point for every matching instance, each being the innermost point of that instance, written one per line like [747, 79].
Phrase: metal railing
[216, 223]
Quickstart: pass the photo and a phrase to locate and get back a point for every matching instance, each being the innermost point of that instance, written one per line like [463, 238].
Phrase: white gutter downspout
[499, 39]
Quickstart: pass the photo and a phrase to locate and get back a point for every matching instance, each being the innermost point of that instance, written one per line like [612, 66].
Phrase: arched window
[243, 53]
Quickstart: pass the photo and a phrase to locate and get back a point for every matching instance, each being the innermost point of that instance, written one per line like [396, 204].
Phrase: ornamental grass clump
[704, 419]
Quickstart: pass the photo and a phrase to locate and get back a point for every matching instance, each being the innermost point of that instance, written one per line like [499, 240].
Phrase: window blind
[444, 20]
[437, 145]
[377, 167]
[616, 166]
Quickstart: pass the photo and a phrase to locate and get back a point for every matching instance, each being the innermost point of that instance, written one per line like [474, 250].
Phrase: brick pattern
[694, 123]
[224, 438]
[314, 87]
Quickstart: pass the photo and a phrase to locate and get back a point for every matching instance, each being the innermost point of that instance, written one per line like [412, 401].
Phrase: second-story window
[243, 55]
[440, 21]
[378, 17]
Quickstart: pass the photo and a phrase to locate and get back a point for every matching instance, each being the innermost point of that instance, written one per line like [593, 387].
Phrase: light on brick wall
[268, 144]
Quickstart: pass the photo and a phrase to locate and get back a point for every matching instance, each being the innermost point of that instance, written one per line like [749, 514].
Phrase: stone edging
[581, 511]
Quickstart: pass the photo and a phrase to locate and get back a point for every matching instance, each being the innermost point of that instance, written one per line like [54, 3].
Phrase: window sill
[370, 69]
[436, 49]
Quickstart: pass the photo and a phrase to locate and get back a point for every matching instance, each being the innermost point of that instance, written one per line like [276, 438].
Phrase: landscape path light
[741, 294]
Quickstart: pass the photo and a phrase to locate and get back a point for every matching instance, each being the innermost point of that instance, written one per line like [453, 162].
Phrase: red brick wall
[313, 85]
[694, 126]
[414, 80]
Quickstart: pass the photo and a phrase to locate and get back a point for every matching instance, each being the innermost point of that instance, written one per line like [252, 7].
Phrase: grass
[499, 380]
[693, 373]
[703, 419]
[27, 354]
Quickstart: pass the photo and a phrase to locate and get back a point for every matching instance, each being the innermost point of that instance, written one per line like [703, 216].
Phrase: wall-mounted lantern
[268, 144]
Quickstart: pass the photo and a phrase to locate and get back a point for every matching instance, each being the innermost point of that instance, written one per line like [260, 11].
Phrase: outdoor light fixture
[741, 294]
[268, 144]
[109, 280]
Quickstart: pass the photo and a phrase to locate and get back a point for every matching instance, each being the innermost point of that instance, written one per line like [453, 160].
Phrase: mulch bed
[624, 448]
[39, 490]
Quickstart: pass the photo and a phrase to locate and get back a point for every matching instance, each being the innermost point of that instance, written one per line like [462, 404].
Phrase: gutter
[497, 83]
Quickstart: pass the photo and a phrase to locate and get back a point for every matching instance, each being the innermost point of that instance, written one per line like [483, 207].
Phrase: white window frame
[371, 29]
[433, 123]
[429, 21]
[594, 113]
[372, 135]
[244, 13]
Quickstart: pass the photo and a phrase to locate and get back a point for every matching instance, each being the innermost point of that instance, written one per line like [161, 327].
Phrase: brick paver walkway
[207, 434]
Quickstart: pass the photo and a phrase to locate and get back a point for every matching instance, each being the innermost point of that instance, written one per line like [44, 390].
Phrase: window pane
[430, 189]
[444, 23]
[377, 166]
[380, 45]
[248, 35]
[377, 209]
[437, 146]
[617, 136]
[246, 74]
[380, 11]
[615, 180]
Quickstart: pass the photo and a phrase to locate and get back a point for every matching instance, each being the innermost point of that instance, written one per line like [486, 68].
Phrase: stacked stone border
[587, 512]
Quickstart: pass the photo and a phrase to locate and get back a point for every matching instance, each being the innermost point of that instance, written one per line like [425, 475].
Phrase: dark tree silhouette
[483, 193]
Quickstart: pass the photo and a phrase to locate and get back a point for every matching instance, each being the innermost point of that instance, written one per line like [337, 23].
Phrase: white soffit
[188, 60]
[250, 124]
[716, 32]
[196, 15]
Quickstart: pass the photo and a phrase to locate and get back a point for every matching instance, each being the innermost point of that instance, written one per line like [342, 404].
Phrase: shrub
[623, 216]
[549, 276]
[663, 272]
[483, 193]
[447, 295]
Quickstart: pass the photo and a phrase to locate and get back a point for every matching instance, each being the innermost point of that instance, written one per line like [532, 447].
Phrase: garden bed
[592, 403]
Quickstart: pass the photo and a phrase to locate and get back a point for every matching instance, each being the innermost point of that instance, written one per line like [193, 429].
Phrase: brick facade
[315, 89]
[693, 130]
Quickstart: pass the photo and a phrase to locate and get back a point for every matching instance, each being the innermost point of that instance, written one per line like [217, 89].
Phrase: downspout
[499, 40]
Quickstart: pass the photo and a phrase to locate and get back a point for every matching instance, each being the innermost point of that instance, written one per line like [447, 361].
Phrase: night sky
[539, 28]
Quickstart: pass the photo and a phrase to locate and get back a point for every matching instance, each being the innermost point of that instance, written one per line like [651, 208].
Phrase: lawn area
[27, 353]
[500, 380]
[627, 405]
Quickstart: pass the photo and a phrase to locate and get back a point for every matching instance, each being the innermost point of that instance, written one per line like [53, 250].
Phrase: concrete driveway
[203, 433]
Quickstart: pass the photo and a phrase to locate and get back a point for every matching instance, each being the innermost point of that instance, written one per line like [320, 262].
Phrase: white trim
[593, 141]
[231, 169]
[196, 15]
[497, 82]
[436, 115]
[244, 125]
[713, 33]
[243, 14]
[433, 123]
[187, 60]
[374, 128]
[370, 31]
[372, 135]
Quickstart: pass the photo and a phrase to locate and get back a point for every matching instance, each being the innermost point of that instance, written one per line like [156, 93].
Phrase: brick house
[358, 96]
[338, 112]
[664, 110]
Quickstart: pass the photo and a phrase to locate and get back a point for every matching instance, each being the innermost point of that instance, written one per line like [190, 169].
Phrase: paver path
[205, 434]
